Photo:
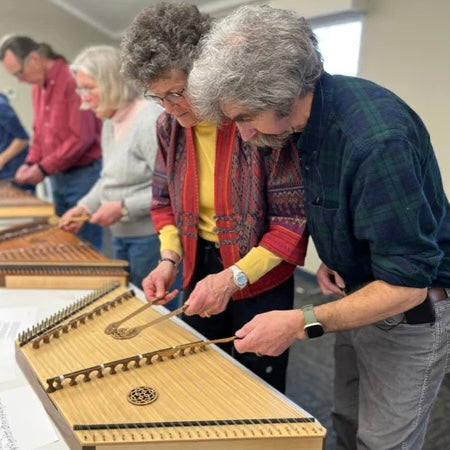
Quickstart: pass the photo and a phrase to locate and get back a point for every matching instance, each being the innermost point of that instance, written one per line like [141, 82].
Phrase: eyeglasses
[20, 72]
[175, 98]
[84, 91]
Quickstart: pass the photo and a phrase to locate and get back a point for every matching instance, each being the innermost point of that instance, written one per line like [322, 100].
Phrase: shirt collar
[53, 72]
[319, 116]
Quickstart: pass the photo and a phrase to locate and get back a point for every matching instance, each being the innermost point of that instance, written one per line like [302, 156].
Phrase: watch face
[241, 279]
[314, 330]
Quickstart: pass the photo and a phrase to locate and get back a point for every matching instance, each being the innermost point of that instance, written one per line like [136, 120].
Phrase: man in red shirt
[66, 139]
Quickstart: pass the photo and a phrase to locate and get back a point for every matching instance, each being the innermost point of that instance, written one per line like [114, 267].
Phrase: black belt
[424, 312]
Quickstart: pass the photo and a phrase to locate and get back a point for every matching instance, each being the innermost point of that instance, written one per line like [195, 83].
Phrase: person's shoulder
[354, 89]
[150, 112]
[63, 75]
[370, 114]
[6, 110]
[4, 103]
[357, 98]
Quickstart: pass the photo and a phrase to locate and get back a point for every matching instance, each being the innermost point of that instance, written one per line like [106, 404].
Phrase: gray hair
[258, 57]
[102, 63]
[160, 38]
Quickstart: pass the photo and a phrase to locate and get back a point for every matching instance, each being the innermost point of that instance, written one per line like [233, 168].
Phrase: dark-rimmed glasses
[173, 98]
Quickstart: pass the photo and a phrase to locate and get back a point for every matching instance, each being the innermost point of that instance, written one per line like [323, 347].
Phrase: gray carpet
[310, 377]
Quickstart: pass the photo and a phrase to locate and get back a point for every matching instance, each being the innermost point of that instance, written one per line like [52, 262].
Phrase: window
[339, 44]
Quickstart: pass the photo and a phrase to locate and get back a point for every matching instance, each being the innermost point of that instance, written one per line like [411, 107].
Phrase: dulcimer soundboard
[38, 254]
[163, 389]
[15, 202]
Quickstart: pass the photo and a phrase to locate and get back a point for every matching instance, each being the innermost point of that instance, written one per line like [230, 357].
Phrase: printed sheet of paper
[12, 320]
[24, 424]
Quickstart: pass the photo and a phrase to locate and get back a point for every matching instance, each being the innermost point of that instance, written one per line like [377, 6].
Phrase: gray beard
[270, 140]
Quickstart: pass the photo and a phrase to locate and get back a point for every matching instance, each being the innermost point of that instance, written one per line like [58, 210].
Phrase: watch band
[308, 313]
[172, 261]
[312, 328]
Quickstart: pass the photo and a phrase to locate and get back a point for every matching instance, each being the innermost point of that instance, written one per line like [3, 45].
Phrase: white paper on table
[12, 321]
[25, 419]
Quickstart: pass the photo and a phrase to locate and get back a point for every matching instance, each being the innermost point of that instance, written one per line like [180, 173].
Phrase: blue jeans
[387, 376]
[70, 186]
[142, 254]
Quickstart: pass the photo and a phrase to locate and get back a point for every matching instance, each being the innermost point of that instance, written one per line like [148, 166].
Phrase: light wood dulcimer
[38, 254]
[15, 202]
[163, 389]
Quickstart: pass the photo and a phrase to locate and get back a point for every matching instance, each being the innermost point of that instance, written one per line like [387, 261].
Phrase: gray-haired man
[376, 210]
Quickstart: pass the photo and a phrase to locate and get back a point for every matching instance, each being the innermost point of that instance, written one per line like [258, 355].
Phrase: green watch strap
[308, 314]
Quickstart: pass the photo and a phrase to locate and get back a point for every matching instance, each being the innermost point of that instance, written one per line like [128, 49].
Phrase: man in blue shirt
[376, 210]
[13, 142]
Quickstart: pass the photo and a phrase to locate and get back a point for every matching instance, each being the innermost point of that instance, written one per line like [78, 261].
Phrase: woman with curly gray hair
[232, 213]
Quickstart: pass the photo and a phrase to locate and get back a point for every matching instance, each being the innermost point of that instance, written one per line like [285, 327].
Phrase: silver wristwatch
[239, 277]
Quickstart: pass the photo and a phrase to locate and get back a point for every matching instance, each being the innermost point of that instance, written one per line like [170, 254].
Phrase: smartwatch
[312, 328]
[239, 277]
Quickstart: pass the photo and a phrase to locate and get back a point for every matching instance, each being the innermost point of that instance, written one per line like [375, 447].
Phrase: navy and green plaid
[375, 204]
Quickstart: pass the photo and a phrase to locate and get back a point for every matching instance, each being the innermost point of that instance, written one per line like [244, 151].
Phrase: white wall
[43, 22]
[405, 47]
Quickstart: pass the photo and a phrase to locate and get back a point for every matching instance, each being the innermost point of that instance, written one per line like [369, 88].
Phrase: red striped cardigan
[258, 198]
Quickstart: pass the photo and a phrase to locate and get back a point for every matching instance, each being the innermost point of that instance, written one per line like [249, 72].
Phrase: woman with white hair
[121, 197]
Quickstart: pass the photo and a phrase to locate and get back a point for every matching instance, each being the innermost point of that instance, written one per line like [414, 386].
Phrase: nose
[247, 132]
[169, 106]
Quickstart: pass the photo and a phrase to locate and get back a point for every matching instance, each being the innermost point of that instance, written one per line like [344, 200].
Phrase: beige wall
[45, 23]
[405, 47]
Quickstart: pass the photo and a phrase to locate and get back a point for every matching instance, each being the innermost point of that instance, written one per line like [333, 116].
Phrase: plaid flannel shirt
[375, 205]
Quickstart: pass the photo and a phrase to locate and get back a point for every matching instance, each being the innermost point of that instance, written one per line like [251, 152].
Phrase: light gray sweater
[127, 172]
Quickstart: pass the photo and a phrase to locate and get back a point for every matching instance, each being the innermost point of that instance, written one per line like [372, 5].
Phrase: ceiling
[112, 17]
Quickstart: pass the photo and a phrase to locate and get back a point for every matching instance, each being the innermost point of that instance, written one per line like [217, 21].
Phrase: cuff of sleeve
[43, 170]
[170, 239]
[257, 262]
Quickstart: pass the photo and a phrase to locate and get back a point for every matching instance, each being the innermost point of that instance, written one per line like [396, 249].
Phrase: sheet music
[12, 321]
[7, 440]
[24, 424]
